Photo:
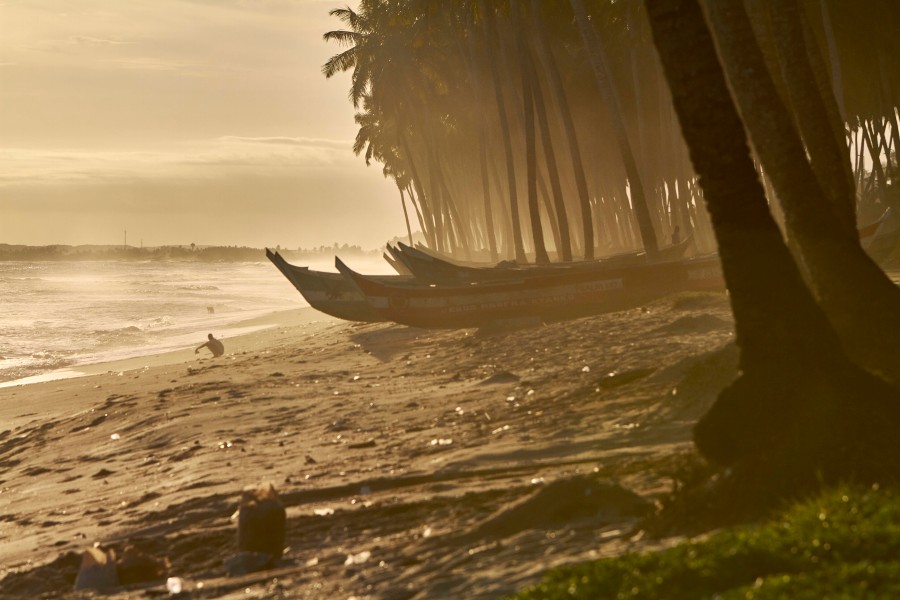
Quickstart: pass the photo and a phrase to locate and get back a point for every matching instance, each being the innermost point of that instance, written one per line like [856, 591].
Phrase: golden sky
[204, 121]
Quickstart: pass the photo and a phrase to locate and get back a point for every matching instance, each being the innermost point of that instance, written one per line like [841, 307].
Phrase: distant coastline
[188, 253]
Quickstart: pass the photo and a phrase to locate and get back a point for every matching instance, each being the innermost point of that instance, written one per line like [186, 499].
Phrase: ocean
[57, 315]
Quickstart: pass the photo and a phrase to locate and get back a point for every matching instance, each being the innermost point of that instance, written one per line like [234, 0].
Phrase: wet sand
[413, 463]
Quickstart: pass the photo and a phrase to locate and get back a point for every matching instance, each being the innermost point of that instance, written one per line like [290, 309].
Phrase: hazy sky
[204, 121]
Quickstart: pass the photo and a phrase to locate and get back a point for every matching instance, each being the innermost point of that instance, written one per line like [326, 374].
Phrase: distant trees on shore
[192, 253]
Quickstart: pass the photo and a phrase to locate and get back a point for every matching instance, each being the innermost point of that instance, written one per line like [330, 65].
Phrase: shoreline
[244, 333]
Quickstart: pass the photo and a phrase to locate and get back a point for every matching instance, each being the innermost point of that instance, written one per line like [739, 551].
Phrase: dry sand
[414, 463]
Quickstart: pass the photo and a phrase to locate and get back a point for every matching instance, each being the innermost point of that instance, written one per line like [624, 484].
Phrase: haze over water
[61, 314]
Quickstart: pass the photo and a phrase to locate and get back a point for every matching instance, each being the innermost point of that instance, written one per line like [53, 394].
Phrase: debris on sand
[97, 571]
[261, 523]
[501, 377]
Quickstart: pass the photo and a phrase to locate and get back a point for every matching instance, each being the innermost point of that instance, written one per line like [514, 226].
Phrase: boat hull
[330, 293]
[550, 297]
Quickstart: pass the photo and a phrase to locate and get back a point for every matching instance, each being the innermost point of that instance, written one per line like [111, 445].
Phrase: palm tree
[809, 106]
[557, 89]
[472, 59]
[800, 410]
[564, 244]
[613, 105]
[859, 299]
[489, 29]
[540, 252]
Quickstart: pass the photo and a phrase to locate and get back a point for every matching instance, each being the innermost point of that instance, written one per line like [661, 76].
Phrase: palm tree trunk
[486, 193]
[837, 79]
[874, 154]
[489, 27]
[828, 159]
[457, 221]
[796, 412]
[823, 82]
[564, 242]
[551, 70]
[469, 52]
[412, 198]
[405, 215]
[534, 211]
[549, 210]
[507, 249]
[564, 245]
[611, 101]
[859, 299]
[429, 231]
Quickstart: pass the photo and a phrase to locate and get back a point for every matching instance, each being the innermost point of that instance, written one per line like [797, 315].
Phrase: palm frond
[343, 37]
[339, 63]
[348, 16]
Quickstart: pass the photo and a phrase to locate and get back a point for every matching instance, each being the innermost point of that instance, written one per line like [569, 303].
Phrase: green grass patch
[844, 543]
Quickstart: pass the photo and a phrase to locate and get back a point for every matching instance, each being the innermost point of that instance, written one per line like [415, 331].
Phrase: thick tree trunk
[860, 300]
[800, 409]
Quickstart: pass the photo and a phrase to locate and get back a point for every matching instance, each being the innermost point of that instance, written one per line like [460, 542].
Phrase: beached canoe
[396, 264]
[550, 297]
[332, 293]
[429, 267]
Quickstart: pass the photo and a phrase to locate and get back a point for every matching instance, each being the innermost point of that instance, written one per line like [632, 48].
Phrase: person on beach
[215, 346]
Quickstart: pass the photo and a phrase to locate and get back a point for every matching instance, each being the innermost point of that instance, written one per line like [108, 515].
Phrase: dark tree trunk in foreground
[861, 302]
[799, 410]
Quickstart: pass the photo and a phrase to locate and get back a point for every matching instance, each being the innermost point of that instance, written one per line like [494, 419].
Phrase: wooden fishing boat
[549, 297]
[429, 267]
[332, 293]
[398, 265]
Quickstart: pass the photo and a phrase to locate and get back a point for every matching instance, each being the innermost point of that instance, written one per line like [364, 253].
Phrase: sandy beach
[413, 463]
